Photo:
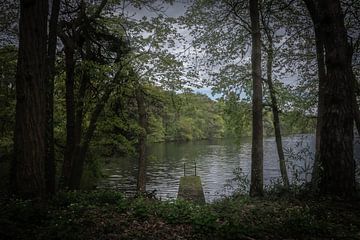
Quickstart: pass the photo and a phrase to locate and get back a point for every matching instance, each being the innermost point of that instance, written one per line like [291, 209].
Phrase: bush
[109, 215]
[86, 198]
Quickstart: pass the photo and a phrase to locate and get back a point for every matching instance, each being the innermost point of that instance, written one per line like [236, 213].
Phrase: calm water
[215, 161]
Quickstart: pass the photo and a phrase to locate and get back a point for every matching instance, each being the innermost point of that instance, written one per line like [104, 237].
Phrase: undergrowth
[110, 215]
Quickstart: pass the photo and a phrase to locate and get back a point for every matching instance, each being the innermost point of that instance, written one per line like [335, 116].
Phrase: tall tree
[256, 187]
[50, 168]
[142, 120]
[29, 136]
[276, 113]
[269, 48]
[93, 55]
[337, 176]
[232, 22]
[320, 58]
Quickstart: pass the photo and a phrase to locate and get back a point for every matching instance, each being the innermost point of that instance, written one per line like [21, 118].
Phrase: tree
[256, 187]
[29, 146]
[142, 119]
[85, 38]
[50, 168]
[337, 176]
[269, 48]
[320, 58]
[233, 77]
[97, 57]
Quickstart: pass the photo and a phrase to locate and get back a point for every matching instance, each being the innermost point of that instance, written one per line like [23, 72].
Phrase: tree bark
[356, 105]
[79, 155]
[322, 80]
[70, 114]
[275, 111]
[79, 152]
[256, 187]
[28, 178]
[320, 58]
[336, 145]
[141, 179]
[50, 168]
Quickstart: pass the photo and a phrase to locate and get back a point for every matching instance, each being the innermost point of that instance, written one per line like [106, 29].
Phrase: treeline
[169, 116]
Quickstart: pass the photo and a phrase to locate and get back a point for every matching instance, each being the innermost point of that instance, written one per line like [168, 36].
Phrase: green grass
[110, 215]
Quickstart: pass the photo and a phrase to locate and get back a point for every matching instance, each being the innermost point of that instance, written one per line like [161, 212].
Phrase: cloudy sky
[177, 9]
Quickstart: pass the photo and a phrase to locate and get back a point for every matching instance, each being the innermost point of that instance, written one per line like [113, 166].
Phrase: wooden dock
[190, 189]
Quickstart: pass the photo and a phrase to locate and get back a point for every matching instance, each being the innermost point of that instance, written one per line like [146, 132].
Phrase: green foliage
[204, 220]
[105, 214]
[157, 130]
[237, 117]
[142, 208]
[8, 57]
[178, 211]
[189, 116]
[20, 218]
[240, 182]
[81, 198]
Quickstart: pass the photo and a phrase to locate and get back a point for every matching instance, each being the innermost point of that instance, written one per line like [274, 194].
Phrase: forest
[87, 84]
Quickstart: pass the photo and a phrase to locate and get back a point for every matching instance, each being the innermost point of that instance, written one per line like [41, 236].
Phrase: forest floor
[106, 215]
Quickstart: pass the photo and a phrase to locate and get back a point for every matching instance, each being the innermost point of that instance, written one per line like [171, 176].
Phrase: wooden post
[195, 168]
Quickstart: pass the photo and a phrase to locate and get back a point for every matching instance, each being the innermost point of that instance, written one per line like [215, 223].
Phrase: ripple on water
[215, 164]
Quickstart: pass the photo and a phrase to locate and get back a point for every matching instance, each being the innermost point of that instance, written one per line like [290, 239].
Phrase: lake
[215, 160]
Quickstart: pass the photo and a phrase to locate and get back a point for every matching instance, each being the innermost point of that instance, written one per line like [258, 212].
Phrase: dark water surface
[215, 160]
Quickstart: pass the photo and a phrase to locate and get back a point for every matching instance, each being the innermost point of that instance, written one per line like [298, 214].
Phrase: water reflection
[215, 162]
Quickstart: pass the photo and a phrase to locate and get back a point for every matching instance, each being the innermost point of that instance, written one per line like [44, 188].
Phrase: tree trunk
[50, 168]
[70, 115]
[322, 80]
[275, 111]
[79, 155]
[356, 105]
[79, 151]
[336, 145]
[28, 178]
[256, 187]
[141, 180]
[320, 58]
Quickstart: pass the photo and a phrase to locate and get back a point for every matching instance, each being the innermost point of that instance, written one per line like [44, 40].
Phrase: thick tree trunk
[336, 145]
[50, 168]
[322, 80]
[320, 58]
[70, 116]
[28, 178]
[256, 187]
[141, 179]
[275, 111]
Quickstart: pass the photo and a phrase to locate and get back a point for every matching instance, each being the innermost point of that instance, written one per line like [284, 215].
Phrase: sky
[176, 9]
